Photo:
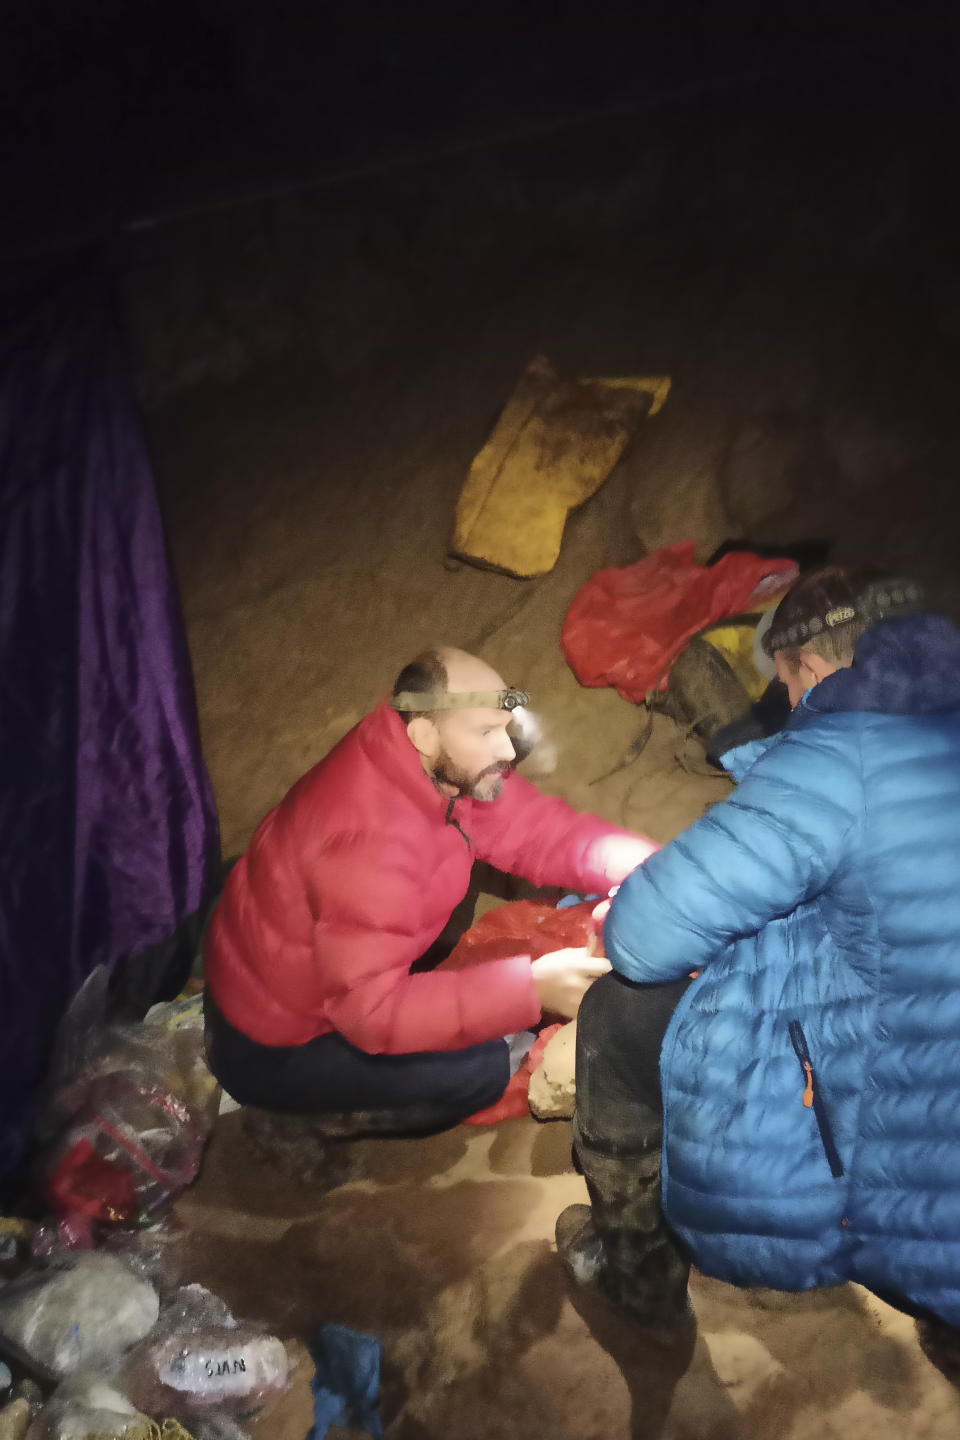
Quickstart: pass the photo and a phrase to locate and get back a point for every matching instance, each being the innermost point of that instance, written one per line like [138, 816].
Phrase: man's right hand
[563, 978]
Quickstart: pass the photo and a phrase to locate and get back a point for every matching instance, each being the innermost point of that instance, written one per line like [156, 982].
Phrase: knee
[601, 1001]
[491, 1079]
[474, 1079]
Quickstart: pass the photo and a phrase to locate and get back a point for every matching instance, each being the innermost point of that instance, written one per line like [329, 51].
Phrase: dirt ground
[445, 1251]
[308, 500]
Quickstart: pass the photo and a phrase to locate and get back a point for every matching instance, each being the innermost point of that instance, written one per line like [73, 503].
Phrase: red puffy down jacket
[354, 875]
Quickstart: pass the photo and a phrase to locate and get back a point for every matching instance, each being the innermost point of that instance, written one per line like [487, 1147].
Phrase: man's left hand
[616, 856]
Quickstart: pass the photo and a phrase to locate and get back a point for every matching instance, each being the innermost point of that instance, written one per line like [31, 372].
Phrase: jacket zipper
[813, 1099]
[456, 823]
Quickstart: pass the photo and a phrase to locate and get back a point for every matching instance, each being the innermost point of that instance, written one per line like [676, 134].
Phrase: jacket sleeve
[545, 841]
[364, 945]
[773, 844]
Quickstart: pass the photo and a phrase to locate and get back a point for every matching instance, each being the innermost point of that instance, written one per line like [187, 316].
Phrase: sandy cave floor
[308, 514]
[444, 1250]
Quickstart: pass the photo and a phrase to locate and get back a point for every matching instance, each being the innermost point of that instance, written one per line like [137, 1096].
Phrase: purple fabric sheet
[108, 831]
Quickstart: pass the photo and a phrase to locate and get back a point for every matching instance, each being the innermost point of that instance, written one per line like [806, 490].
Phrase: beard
[484, 786]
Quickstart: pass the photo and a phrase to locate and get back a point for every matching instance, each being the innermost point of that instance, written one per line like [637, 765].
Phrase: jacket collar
[909, 666]
[383, 736]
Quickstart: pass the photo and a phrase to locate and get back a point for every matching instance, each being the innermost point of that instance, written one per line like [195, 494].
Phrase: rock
[774, 462]
[552, 1086]
[673, 477]
[866, 451]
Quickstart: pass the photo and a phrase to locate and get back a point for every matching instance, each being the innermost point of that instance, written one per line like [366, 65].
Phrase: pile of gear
[98, 1345]
[98, 1337]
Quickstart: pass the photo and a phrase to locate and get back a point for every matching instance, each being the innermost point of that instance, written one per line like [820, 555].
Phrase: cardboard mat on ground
[555, 443]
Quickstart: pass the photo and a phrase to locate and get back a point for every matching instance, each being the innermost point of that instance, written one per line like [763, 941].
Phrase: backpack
[720, 691]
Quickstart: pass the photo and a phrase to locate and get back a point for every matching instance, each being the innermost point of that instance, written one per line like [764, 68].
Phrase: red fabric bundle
[530, 928]
[525, 927]
[627, 625]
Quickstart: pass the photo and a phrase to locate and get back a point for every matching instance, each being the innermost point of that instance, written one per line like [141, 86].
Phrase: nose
[504, 750]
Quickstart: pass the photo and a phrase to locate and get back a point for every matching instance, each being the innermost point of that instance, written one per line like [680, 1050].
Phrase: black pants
[328, 1075]
[617, 1132]
[620, 1030]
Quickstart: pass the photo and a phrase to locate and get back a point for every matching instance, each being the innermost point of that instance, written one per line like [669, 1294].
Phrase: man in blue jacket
[808, 1079]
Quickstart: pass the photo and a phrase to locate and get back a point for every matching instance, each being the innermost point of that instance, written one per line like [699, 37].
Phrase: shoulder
[813, 752]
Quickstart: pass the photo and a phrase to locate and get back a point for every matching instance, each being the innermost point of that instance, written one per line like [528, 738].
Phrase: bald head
[445, 671]
[466, 673]
[465, 751]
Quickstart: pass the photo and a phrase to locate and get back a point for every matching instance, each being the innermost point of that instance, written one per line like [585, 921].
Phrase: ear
[785, 671]
[816, 667]
[424, 737]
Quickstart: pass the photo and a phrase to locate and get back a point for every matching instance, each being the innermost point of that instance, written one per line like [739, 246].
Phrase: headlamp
[880, 600]
[420, 702]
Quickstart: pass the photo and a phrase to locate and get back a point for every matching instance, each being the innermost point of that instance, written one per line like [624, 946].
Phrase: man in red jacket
[314, 1001]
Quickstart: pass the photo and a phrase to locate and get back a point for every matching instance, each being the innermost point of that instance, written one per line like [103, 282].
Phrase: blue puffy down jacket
[811, 1074]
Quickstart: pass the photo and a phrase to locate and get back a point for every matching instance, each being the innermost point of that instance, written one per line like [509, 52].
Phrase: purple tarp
[108, 832]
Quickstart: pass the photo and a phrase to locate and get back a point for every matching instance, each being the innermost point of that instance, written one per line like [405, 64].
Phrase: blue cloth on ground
[569, 900]
[346, 1381]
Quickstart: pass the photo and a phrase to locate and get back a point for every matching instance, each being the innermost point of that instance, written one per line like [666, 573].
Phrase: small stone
[552, 1093]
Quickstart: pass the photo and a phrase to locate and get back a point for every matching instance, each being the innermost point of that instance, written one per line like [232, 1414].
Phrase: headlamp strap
[421, 701]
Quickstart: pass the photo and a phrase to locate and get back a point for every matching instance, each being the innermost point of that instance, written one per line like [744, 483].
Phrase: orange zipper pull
[808, 1090]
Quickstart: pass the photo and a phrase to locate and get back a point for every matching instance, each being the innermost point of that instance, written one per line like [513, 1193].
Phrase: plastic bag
[80, 1310]
[62, 1232]
[85, 1405]
[527, 927]
[216, 1427]
[200, 1359]
[156, 1254]
[15, 1238]
[130, 1111]
[627, 625]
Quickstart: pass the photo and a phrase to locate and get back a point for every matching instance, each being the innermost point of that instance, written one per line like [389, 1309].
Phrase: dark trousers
[620, 1030]
[617, 1137]
[328, 1075]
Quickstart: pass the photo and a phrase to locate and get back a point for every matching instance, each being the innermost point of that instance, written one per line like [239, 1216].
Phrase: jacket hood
[909, 666]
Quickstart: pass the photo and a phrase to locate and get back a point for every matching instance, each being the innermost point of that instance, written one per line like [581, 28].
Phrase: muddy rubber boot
[620, 1245]
[300, 1148]
[311, 1149]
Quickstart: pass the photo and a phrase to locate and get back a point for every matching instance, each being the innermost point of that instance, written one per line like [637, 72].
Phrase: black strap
[449, 820]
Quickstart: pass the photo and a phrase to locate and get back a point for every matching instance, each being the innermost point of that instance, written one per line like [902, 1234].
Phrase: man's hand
[563, 978]
[617, 856]
[600, 912]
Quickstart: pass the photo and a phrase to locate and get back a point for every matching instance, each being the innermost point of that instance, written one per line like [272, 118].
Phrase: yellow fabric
[735, 644]
[552, 448]
[656, 386]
